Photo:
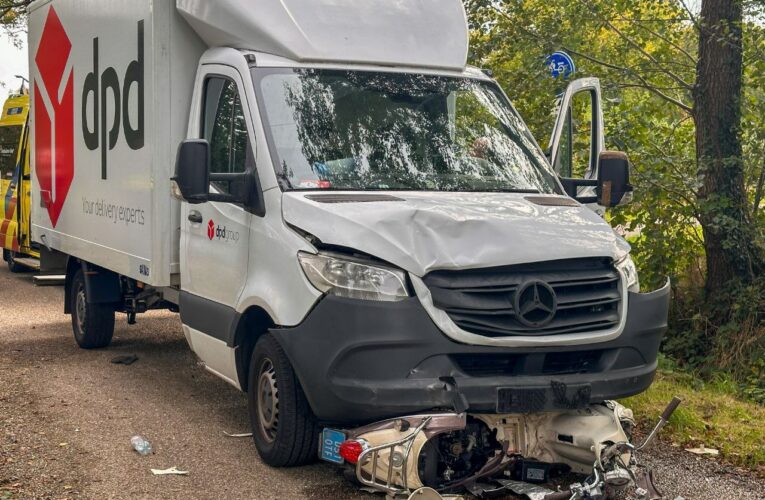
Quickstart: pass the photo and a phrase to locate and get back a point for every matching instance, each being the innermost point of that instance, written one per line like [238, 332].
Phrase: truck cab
[415, 237]
[15, 209]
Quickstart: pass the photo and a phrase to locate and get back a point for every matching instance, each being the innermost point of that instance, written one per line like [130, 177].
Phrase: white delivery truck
[359, 225]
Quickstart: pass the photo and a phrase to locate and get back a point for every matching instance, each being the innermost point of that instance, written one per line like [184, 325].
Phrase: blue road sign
[560, 64]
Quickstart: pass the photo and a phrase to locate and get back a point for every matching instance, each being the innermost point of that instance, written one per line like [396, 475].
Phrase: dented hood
[421, 232]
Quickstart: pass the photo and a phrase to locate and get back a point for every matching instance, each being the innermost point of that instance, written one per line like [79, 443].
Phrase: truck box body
[103, 185]
[417, 34]
[113, 79]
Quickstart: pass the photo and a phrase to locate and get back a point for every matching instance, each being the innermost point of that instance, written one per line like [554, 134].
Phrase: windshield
[353, 130]
[9, 148]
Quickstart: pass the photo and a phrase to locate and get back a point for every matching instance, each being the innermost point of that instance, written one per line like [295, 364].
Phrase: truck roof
[414, 33]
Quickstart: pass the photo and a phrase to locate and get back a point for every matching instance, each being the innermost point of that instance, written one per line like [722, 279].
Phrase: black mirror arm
[231, 178]
[222, 198]
[225, 177]
[572, 185]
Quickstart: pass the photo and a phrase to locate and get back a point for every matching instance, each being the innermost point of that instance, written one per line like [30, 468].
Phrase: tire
[14, 266]
[92, 324]
[283, 426]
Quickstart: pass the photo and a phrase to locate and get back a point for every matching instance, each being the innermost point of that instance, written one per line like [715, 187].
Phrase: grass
[711, 414]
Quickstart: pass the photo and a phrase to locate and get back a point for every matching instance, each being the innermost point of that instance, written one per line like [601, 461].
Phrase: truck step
[28, 262]
[49, 280]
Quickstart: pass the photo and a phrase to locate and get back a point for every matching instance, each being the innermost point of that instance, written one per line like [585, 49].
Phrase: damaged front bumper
[364, 361]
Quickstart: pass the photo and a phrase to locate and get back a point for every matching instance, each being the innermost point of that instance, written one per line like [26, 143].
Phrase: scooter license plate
[331, 440]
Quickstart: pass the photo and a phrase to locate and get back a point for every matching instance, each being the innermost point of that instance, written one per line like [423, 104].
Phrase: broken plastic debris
[702, 450]
[243, 435]
[125, 360]
[172, 471]
[141, 445]
[426, 493]
[532, 491]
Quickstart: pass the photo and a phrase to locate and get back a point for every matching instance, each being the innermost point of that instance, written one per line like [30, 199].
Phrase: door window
[10, 137]
[564, 161]
[225, 129]
[577, 150]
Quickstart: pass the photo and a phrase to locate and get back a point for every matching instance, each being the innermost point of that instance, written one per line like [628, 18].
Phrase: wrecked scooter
[490, 455]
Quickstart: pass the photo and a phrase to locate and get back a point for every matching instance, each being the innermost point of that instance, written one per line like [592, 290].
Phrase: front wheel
[283, 425]
[13, 266]
[93, 324]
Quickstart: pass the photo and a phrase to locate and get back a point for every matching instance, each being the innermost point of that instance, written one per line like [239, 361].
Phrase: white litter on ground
[172, 471]
[243, 435]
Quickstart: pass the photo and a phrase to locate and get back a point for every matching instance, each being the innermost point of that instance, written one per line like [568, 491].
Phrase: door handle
[195, 217]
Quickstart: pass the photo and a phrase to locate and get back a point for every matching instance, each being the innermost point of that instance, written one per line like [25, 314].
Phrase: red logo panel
[211, 229]
[54, 153]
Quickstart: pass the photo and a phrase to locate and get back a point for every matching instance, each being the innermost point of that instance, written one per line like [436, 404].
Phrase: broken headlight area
[487, 455]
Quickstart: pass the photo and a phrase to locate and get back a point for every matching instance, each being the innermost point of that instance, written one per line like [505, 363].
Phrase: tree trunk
[725, 218]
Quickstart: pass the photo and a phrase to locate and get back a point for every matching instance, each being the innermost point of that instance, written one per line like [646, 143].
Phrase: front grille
[482, 301]
[568, 363]
[490, 365]
[537, 363]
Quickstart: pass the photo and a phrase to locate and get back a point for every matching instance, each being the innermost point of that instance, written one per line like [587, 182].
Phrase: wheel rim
[268, 401]
[81, 308]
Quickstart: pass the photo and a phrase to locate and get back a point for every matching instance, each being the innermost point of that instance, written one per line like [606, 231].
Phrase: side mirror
[192, 172]
[192, 177]
[613, 186]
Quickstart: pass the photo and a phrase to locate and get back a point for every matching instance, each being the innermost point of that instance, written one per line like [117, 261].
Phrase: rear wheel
[283, 425]
[13, 266]
[92, 324]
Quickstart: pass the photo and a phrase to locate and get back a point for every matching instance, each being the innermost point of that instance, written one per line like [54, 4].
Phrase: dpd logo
[102, 134]
[221, 233]
[54, 111]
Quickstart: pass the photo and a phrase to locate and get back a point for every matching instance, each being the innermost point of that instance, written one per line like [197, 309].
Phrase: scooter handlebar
[670, 409]
[560, 495]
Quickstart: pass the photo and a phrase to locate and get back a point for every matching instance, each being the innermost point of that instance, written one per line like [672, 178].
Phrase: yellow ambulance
[15, 184]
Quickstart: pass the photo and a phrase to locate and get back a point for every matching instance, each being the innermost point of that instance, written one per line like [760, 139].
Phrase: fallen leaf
[172, 471]
[703, 451]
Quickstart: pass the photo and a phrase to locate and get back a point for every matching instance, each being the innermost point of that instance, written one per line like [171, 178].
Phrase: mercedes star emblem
[535, 304]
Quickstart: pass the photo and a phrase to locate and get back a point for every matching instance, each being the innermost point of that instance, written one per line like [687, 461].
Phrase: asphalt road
[67, 416]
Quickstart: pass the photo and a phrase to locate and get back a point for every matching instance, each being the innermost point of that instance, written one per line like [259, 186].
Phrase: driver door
[577, 138]
[215, 235]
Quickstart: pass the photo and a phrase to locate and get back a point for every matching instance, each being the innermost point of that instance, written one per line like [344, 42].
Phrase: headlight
[356, 279]
[629, 271]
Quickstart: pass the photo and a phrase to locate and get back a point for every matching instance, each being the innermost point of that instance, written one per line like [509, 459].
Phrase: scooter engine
[448, 458]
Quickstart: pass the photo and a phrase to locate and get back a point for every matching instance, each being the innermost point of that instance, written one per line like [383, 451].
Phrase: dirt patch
[36, 460]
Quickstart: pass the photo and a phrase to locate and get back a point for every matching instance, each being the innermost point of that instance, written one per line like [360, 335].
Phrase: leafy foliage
[646, 54]
[711, 415]
[13, 16]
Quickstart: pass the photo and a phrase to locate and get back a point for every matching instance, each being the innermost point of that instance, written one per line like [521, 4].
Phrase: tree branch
[658, 35]
[644, 83]
[649, 56]
[692, 17]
